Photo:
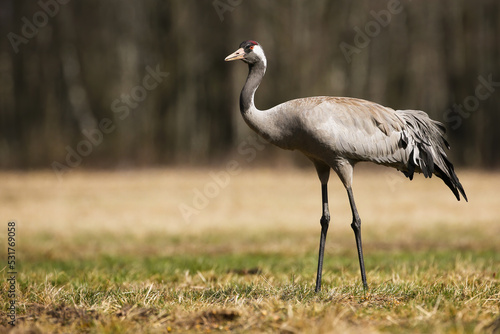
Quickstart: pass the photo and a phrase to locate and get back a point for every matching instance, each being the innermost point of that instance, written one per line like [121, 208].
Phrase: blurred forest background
[128, 83]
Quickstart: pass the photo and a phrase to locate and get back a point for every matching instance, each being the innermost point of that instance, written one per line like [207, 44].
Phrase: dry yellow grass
[254, 200]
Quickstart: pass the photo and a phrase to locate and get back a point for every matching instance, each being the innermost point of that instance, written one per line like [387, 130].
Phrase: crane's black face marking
[249, 51]
[250, 57]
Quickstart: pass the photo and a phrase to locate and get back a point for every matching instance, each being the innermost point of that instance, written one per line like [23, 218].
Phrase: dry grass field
[180, 250]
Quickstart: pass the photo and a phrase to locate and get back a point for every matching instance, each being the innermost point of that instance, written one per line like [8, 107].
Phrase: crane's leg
[356, 226]
[325, 222]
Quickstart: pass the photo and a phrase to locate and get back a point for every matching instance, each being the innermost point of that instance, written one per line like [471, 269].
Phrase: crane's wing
[354, 129]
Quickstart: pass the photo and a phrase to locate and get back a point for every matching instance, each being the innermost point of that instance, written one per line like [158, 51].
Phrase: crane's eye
[251, 47]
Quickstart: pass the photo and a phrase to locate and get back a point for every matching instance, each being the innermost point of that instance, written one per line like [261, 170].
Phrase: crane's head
[250, 52]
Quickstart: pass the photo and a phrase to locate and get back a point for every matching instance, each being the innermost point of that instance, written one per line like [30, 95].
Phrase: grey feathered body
[336, 131]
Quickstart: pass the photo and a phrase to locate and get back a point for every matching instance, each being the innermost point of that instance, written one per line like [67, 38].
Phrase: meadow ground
[182, 250]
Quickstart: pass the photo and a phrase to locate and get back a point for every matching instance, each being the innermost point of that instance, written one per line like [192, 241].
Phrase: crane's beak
[238, 54]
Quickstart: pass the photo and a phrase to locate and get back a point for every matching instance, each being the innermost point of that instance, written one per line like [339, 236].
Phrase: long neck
[255, 74]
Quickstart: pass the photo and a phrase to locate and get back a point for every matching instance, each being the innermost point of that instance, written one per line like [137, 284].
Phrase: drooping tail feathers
[423, 138]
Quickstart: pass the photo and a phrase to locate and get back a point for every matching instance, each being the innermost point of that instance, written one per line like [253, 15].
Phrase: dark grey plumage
[427, 153]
